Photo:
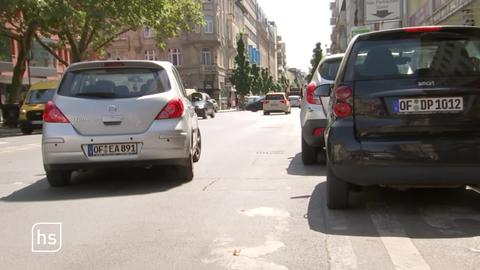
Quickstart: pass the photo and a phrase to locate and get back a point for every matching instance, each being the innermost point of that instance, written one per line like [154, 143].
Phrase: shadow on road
[423, 213]
[100, 183]
[296, 167]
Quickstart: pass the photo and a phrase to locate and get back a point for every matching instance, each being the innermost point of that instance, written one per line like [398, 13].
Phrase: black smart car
[405, 111]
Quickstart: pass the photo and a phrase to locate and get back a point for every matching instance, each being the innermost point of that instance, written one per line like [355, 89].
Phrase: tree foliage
[241, 77]
[316, 58]
[88, 26]
[19, 20]
[256, 80]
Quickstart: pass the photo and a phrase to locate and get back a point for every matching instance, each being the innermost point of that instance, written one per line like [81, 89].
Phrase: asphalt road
[252, 205]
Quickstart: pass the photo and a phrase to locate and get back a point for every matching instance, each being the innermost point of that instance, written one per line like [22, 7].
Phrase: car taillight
[343, 92]
[342, 107]
[318, 131]
[421, 29]
[265, 102]
[174, 109]
[311, 98]
[52, 114]
[283, 101]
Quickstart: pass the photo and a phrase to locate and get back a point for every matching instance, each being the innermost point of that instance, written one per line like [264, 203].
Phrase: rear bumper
[307, 132]
[411, 163]
[165, 142]
[122, 164]
[280, 108]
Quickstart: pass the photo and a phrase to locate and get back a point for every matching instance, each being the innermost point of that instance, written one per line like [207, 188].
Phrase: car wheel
[254, 110]
[204, 114]
[26, 131]
[309, 153]
[265, 113]
[185, 172]
[198, 149]
[57, 178]
[337, 192]
[212, 114]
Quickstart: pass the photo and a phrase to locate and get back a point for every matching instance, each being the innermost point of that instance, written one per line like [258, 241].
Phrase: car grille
[35, 115]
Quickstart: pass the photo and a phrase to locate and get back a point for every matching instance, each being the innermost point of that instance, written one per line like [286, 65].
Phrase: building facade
[41, 65]
[205, 57]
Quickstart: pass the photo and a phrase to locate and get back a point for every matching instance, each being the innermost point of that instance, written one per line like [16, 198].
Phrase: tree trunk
[24, 47]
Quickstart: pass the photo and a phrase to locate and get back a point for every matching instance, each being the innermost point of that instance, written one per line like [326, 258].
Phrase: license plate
[428, 105]
[112, 149]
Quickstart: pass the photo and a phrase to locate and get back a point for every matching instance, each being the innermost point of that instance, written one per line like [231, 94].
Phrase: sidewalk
[227, 110]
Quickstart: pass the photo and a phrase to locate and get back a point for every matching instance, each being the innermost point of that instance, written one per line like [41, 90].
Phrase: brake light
[421, 29]
[265, 102]
[342, 110]
[318, 131]
[174, 109]
[283, 101]
[52, 114]
[343, 92]
[311, 98]
[114, 64]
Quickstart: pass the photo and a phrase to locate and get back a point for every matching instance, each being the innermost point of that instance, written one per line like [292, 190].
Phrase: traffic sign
[382, 10]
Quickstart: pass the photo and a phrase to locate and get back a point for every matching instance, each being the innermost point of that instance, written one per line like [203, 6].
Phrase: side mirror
[323, 90]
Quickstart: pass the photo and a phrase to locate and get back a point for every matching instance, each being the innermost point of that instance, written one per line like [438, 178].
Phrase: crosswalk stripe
[400, 248]
[340, 250]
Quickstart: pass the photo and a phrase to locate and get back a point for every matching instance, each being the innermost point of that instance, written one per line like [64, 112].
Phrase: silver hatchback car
[117, 114]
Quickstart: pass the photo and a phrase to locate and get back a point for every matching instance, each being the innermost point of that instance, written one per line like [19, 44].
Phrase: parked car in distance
[313, 110]
[295, 101]
[405, 111]
[255, 105]
[119, 114]
[276, 102]
[31, 112]
[203, 104]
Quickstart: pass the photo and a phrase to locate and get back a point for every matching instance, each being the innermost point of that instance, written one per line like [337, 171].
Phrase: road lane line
[339, 247]
[399, 246]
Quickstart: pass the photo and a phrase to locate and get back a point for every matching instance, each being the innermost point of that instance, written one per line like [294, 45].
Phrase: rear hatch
[113, 100]
[414, 84]
[275, 101]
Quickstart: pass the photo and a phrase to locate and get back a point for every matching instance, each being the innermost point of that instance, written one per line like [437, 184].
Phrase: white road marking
[234, 257]
[11, 149]
[340, 250]
[400, 248]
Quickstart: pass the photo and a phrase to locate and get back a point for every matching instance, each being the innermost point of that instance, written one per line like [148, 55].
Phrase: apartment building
[443, 12]
[205, 56]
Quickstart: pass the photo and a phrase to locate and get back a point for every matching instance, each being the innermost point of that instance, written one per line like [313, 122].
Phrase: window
[5, 49]
[147, 32]
[114, 83]
[174, 55]
[206, 56]
[208, 28]
[150, 55]
[328, 70]
[41, 57]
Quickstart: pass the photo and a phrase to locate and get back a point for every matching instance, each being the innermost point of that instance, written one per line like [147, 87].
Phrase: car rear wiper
[96, 94]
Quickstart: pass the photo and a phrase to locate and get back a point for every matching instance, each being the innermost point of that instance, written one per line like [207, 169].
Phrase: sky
[301, 23]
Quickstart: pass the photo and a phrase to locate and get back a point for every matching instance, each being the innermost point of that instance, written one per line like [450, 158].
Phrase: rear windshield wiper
[96, 94]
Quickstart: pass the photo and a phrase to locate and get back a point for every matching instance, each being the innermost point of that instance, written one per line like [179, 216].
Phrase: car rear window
[114, 83]
[40, 96]
[436, 54]
[293, 98]
[328, 69]
[275, 97]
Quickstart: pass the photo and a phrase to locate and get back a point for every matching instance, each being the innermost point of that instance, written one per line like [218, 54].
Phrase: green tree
[241, 74]
[267, 81]
[88, 26]
[19, 20]
[316, 58]
[255, 80]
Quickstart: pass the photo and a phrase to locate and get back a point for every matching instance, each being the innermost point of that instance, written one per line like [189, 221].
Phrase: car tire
[212, 115]
[254, 110]
[337, 191]
[266, 113]
[58, 178]
[185, 172]
[26, 131]
[204, 114]
[198, 149]
[309, 153]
